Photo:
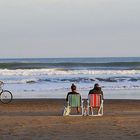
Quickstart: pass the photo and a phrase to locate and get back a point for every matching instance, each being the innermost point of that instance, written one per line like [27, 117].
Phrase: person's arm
[67, 97]
[80, 95]
[89, 92]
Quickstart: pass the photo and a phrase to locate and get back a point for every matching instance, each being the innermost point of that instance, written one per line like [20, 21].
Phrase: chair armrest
[102, 101]
[66, 103]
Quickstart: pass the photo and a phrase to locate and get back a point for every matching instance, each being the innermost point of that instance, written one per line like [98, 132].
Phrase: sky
[69, 28]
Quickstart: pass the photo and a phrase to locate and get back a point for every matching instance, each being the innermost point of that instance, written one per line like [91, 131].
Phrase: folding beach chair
[74, 101]
[95, 105]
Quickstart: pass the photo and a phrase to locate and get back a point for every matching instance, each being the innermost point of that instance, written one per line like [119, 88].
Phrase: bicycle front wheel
[6, 96]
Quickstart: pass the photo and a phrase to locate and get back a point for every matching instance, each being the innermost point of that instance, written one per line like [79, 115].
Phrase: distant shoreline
[129, 94]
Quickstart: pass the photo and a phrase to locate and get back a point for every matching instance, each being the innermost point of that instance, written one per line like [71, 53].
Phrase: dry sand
[43, 120]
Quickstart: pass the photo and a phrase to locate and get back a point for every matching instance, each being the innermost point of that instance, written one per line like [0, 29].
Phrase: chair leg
[82, 107]
[101, 110]
[92, 111]
[66, 111]
[88, 110]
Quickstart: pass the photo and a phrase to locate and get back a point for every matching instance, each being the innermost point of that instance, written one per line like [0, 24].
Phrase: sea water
[52, 77]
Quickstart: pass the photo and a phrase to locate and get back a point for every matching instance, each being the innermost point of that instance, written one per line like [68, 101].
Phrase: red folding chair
[95, 105]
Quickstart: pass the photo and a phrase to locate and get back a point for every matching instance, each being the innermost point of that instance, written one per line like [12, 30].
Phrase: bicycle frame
[5, 95]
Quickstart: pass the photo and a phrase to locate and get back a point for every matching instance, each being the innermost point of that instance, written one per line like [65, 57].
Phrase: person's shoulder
[91, 91]
[72, 93]
[69, 93]
[77, 93]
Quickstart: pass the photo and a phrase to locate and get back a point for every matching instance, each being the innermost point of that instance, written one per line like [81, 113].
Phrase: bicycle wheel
[1, 87]
[6, 96]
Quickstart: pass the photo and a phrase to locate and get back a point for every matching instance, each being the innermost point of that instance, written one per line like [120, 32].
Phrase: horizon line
[70, 57]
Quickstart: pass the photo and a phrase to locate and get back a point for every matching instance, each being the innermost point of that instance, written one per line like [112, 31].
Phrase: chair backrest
[74, 100]
[95, 100]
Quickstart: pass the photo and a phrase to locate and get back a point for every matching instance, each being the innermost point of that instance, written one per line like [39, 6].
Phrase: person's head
[73, 87]
[96, 85]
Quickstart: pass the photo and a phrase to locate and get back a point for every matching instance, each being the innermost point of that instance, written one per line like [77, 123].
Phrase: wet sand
[40, 119]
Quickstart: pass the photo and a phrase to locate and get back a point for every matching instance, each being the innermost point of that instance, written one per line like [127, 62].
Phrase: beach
[41, 119]
[52, 48]
[40, 85]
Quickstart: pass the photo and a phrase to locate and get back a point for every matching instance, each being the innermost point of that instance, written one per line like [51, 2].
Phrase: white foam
[38, 72]
[42, 80]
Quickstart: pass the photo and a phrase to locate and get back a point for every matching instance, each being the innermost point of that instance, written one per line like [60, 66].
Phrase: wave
[71, 65]
[40, 72]
[73, 80]
[89, 80]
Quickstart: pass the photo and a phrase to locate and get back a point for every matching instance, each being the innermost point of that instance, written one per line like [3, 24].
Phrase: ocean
[41, 77]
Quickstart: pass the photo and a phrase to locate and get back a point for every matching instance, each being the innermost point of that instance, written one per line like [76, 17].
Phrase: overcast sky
[69, 28]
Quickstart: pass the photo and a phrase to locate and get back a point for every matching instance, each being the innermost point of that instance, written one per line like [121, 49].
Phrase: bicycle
[5, 95]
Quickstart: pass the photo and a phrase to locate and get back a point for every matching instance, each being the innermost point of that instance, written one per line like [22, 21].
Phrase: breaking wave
[37, 72]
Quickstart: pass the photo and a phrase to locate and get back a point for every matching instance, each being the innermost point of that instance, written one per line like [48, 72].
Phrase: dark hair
[73, 87]
[96, 85]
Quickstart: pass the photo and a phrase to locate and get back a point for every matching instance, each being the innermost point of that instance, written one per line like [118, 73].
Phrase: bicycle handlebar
[1, 83]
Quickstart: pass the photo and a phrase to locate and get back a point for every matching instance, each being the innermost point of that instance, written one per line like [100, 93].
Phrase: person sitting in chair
[73, 91]
[95, 101]
[96, 90]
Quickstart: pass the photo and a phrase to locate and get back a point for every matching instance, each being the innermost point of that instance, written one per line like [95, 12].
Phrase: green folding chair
[74, 101]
